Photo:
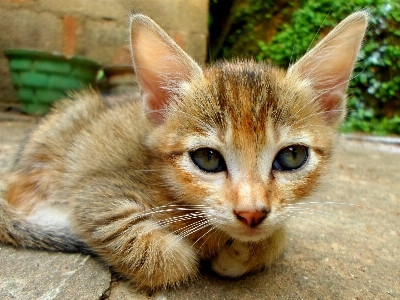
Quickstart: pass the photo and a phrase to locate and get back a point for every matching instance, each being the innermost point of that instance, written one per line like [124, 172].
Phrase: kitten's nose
[252, 218]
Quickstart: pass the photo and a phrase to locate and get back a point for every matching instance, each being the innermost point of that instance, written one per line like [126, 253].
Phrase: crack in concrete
[52, 294]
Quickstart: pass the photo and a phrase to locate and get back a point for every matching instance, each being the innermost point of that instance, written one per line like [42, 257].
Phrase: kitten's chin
[249, 234]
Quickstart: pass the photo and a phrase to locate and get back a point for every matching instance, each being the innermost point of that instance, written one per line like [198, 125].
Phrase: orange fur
[26, 190]
[204, 165]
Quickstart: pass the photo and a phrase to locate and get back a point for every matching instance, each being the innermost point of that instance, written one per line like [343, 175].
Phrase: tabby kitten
[204, 165]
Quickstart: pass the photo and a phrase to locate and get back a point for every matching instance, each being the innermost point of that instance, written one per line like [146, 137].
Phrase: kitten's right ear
[161, 66]
[328, 66]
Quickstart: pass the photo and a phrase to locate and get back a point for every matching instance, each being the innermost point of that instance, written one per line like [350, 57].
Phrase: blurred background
[279, 32]
[282, 31]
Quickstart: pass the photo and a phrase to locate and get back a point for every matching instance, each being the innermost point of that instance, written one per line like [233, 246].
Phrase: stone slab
[28, 274]
[344, 244]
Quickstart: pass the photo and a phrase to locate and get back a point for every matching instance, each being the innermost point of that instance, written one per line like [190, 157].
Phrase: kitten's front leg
[238, 258]
[150, 256]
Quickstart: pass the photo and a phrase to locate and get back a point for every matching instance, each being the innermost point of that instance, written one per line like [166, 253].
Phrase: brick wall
[95, 29]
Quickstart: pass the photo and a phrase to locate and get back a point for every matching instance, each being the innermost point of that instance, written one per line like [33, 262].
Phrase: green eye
[291, 158]
[208, 160]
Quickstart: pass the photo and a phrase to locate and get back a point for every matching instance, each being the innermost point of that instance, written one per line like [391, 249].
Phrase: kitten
[204, 167]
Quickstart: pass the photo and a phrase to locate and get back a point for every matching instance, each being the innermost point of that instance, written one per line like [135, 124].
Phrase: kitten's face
[244, 141]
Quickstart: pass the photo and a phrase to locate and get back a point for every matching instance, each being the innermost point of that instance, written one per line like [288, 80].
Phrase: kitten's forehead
[256, 100]
[249, 89]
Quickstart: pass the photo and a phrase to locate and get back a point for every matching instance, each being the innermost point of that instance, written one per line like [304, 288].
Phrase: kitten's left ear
[328, 66]
[160, 65]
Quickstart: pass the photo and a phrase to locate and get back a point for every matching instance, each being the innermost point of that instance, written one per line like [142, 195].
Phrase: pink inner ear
[148, 55]
[332, 106]
[328, 76]
[333, 98]
[154, 97]
[160, 64]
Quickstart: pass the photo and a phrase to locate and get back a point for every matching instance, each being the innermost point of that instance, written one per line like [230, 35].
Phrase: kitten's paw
[151, 258]
[232, 261]
[166, 261]
[238, 258]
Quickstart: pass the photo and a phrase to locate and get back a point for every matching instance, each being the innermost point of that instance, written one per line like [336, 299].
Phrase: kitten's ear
[328, 66]
[160, 65]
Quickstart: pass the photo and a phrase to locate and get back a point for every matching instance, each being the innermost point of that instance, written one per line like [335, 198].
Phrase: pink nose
[252, 218]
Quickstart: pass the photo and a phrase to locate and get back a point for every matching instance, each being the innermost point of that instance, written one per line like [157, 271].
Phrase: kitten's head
[244, 139]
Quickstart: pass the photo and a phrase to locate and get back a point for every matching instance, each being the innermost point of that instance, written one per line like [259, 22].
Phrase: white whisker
[326, 203]
[310, 221]
[208, 236]
[206, 233]
[316, 114]
[319, 29]
[309, 211]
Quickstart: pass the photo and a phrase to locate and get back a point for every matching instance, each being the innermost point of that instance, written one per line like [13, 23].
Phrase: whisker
[282, 219]
[206, 233]
[312, 125]
[325, 92]
[191, 229]
[316, 114]
[188, 227]
[172, 207]
[319, 29]
[327, 203]
[188, 216]
[310, 211]
[310, 221]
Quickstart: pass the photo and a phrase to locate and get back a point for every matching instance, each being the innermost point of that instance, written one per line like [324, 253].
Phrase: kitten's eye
[291, 158]
[208, 160]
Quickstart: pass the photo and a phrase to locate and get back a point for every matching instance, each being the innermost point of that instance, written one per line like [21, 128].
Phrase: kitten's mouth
[249, 234]
[253, 234]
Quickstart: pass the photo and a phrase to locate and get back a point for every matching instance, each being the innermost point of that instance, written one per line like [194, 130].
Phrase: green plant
[282, 31]
[237, 25]
[374, 100]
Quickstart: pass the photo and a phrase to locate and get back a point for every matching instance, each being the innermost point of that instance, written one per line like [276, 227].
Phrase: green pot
[41, 78]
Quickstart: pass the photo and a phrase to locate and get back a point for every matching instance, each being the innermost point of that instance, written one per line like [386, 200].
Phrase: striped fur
[116, 177]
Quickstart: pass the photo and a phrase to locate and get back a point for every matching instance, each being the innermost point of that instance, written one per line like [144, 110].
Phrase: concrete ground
[346, 247]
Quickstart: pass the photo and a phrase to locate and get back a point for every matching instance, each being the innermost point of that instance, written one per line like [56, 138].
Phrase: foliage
[374, 100]
[374, 93]
[361, 119]
[237, 25]
[246, 19]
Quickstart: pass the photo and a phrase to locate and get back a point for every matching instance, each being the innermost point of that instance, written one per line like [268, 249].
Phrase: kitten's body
[192, 171]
